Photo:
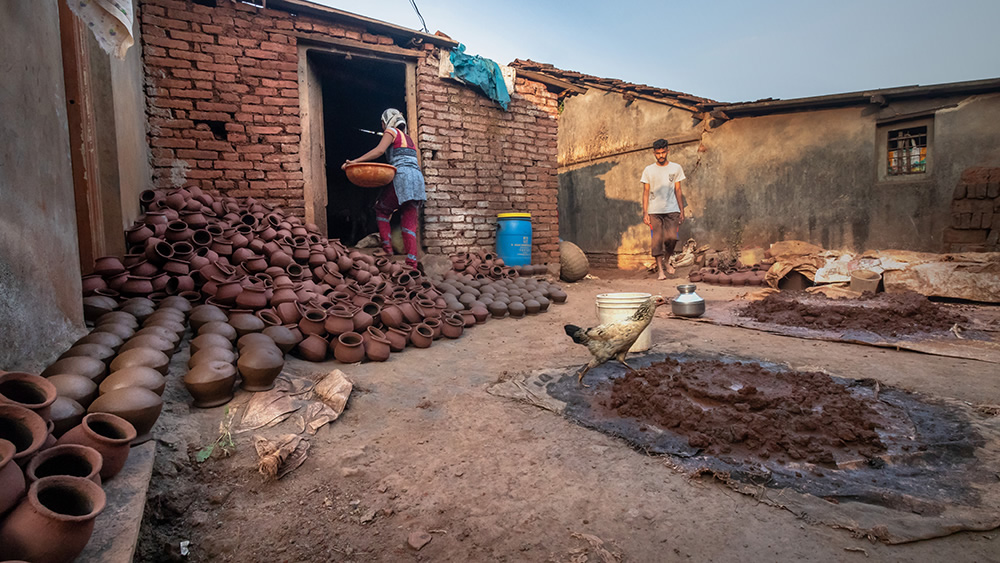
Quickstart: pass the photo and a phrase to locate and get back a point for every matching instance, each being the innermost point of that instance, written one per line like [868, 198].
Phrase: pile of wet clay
[889, 314]
[743, 409]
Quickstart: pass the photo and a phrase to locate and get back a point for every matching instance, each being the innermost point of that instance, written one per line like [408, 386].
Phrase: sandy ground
[423, 448]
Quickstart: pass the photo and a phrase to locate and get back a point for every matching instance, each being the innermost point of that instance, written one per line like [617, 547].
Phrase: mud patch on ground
[888, 314]
[745, 409]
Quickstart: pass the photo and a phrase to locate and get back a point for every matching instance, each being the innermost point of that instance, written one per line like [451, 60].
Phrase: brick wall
[975, 212]
[223, 103]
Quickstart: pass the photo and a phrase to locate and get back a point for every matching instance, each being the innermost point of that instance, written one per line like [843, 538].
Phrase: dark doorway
[356, 90]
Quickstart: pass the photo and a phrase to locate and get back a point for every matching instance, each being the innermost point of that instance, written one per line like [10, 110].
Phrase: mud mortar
[889, 314]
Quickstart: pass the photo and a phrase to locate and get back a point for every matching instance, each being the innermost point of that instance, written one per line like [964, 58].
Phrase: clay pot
[254, 340]
[557, 296]
[140, 407]
[28, 390]
[376, 344]
[391, 316]
[77, 387]
[252, 297]
[141, 357]
[339, 319]
[219, 327]
[397, 338]
[135, 376]
[435, 325]
[108, 339]
[212, 354]
[109, 434]
[410, 312]
[312, 348]
[211, 383]
[12, 485]
[97, 351]
[152, 341]
[122, 331]
[516, 309]
[245, 323]
[452, 327]
[312, 321]
[66, 459]
[210, 340]
[23, 428]
[288, 313]
[204, 314]
[260, 366]
[349, 348]
[282, 337]
[269, 317]
[481, 313]
[66, 413]
[724, 279]
[108, 266]
[498, 309]
[55, 521]
[421, 336]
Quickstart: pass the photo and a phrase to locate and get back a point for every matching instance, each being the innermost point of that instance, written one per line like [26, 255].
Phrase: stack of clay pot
[752, 276]
[53, 460]
[479, 297]
[484, 265]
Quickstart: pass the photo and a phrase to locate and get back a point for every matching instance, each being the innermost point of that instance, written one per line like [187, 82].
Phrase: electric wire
[417, 10]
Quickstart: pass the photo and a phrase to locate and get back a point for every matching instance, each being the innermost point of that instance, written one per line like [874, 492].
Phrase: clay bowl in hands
[370, 174]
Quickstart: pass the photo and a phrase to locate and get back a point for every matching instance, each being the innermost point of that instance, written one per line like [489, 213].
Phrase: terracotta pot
[152, 341]
[141, 357]
[67, 459]
[252, 297]
[376, 344]
[210, 340]
[410, 312]
[134, 376]
[212, 354]
[97, 351]
[254, 340]
[211, 383]
[452, 327]
[349, 348]
[108, 339]
[219, 327]
[283, 337]
[140, 407]
[96, 305]
[468, 319]
[86, 366]
[516, 309]
[55, 521]
[123, 331]
[260, 366]
[245, 323]
[23, 428]
[422, 336]
[28, 390]
[312, 321]
[108, 266]
[66, 413]
[205, 313]
[312, 348]
[77, 387]
[397, 338]
[12, 485]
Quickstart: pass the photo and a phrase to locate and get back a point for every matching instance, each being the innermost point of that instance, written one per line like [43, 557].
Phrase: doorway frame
[312, 143]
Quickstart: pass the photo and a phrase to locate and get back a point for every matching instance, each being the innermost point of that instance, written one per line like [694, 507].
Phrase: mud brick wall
[975, 212]
[223, 101]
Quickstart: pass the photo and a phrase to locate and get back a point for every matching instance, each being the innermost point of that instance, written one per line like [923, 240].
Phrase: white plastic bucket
[618, 306]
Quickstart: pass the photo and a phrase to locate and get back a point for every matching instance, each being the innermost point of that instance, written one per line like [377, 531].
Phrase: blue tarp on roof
[481, 72]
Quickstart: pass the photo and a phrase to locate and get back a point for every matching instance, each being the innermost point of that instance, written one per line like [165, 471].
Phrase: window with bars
[907, 151]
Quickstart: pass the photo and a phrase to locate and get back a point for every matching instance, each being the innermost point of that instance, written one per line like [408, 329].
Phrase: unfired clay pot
[67, 459]
[211, 383]
[66, 413]
[29, 391]
[260, 366]
[80, 365]
[349, 348]
[313, 348]
[135, 376]
[77, 387]
[12, 485]
[141, 357]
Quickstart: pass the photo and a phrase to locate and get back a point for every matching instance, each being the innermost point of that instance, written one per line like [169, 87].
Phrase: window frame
[884, 127]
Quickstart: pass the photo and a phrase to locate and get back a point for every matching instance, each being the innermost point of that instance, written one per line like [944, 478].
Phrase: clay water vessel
[260, 366]
[139, 406]
[211, 383]
[109, 434]
[349, 348]
[66, 413]
[29, 391]
[66, 459]
[23, 428]
[12, 484]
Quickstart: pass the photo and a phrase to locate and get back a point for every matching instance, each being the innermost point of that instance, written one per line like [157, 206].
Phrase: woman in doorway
[407, 192]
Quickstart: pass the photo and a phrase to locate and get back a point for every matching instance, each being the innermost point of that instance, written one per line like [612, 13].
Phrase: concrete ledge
[116, 532]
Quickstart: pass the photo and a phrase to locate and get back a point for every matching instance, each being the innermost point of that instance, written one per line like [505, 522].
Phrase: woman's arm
[387, 138]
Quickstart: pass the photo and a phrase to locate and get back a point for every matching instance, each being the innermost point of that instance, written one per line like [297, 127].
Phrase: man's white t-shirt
[661, 179]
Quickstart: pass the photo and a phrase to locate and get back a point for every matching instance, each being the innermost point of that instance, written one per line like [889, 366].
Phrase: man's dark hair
[660, 144]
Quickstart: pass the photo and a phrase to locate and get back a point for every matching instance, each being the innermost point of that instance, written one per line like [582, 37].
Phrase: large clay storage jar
[260, 366]
[349, 348]
[29, 391]
[12, 483]
[108, 434]
[141, 407]
[23, 428]
[54, 522]
[211, 383]
[66, 459]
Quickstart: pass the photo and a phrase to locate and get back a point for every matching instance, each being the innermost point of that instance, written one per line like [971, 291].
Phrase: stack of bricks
[223, 104]
[975, 212]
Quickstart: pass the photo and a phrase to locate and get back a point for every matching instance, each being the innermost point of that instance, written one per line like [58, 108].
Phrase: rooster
[613, 339]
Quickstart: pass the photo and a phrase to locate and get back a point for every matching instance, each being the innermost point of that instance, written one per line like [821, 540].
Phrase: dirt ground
[422, 447]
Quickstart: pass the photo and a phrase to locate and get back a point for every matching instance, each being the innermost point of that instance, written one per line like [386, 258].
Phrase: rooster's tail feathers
[576, 333]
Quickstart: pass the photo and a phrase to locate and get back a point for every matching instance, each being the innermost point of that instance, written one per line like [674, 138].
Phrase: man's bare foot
[661, 277]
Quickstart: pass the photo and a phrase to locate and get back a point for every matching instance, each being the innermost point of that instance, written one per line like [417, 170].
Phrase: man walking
[663, 205]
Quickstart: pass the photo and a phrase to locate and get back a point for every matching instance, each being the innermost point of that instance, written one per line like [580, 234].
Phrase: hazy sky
[727, 50]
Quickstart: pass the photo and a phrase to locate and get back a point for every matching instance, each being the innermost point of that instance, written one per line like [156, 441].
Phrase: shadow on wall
[587, 216]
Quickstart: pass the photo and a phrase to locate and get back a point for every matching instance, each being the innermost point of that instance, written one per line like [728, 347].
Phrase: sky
[726, 50]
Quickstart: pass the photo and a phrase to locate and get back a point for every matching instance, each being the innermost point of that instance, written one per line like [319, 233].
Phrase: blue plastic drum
[514, 238]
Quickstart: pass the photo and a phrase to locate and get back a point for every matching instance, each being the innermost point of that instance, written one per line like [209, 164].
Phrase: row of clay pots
[499, 298]
[751, 277]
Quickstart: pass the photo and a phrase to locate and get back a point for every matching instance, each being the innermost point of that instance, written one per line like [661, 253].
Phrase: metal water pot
[688, 303]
